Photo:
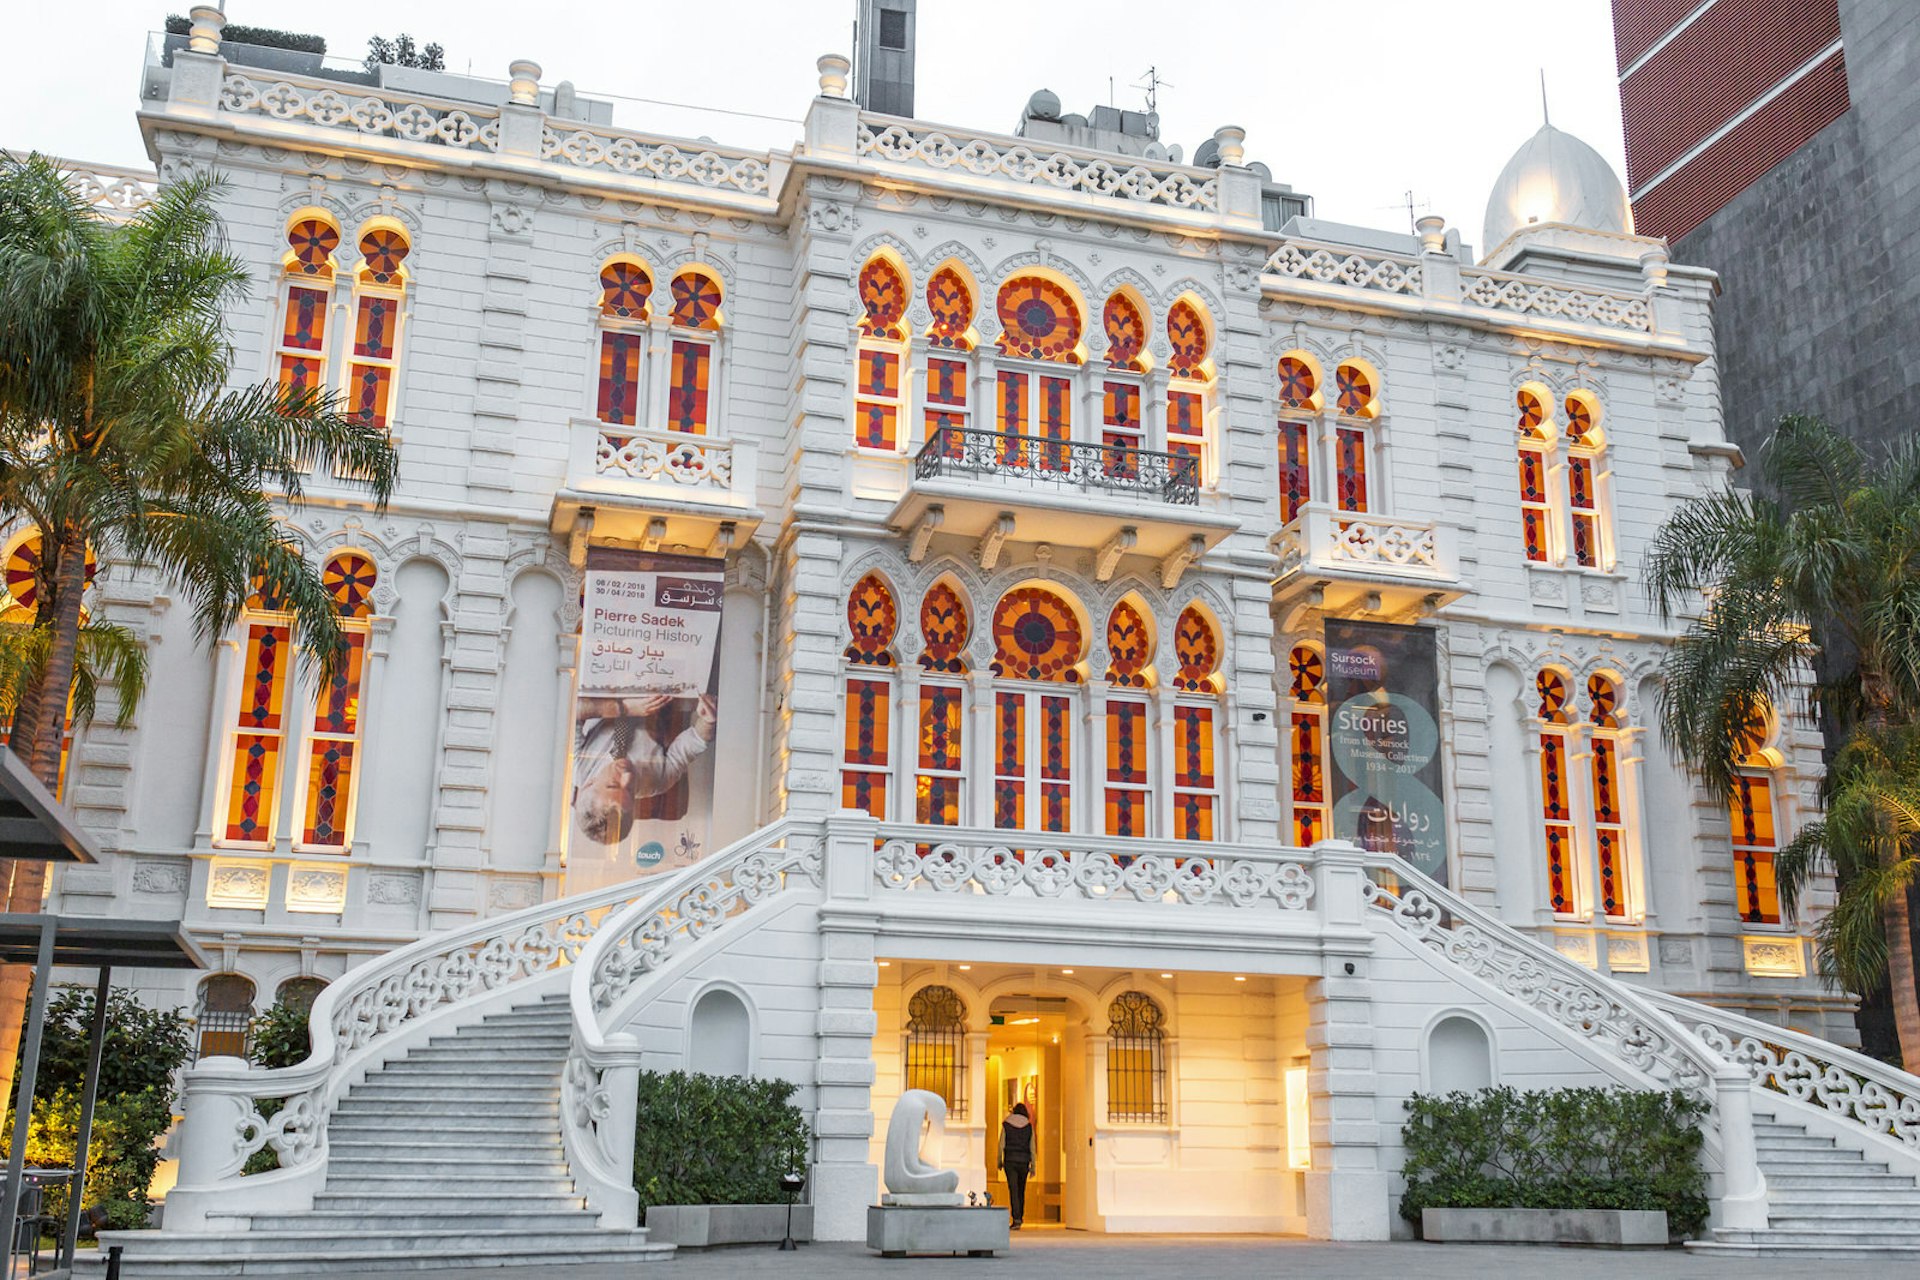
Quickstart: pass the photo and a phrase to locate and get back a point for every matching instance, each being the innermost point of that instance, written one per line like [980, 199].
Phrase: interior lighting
[966, 968]
[1066, 971]
[1239, 977]
[886, 964]
[1022, 1022]
[1166, 975]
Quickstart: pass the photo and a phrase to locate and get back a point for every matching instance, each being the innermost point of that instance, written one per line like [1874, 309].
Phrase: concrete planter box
[705, 1226]
[1606, 1228]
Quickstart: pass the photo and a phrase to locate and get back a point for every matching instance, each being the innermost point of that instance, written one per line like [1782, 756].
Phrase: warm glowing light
[1066, 971]
[886, 964]
[1166, 975]
[1022, 1022]
[1239, 978]
[966, 968]
[1299, 1149]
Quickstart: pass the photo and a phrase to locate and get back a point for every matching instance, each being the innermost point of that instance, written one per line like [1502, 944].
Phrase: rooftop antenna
[1154, 84]
[1544, 118]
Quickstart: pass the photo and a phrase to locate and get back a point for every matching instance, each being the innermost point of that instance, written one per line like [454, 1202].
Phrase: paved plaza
[1087, 1257]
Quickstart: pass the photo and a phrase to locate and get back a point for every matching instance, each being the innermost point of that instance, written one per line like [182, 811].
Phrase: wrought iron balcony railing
[1067, 464]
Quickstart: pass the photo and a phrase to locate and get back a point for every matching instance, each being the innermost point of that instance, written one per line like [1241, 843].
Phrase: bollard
[113, 1261]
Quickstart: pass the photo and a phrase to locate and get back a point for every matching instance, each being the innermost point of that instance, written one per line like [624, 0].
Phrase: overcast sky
[1355, 102]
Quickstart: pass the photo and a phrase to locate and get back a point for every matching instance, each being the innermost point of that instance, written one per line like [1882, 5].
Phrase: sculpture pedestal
[897, 1230]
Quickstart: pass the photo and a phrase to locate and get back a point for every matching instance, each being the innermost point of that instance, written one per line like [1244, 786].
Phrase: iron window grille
[1136, 1060]
[937, 1047]
[223, 1018]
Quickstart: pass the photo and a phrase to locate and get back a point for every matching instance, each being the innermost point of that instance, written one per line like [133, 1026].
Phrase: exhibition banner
[644, 708]
[1383, 740]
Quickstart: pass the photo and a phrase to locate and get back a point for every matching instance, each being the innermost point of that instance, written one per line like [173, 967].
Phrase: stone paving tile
[1045, 1255]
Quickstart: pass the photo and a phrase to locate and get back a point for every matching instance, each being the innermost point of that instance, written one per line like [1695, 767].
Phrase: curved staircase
[1824, 1199]
[448, 1156]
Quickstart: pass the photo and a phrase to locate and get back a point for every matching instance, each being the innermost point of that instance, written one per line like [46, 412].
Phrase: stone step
[1825, 1217]
[409, 1085]
[1870, 1203]
[1851, 1176]
[209, 1262]
[492, 1168]
[394, 1221]
[437, 1201]
[1793, 1142]
[555, 1017]
[475, 1041]
[548, 1148]
[1780, 1249]
[1856, 1235]
[462, 1065]
[369, 1123]
[432, 1104]
[1810, 1156]
[423, 1238]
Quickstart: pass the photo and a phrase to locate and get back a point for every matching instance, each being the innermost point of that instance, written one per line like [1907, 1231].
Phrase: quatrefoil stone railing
[379, 115]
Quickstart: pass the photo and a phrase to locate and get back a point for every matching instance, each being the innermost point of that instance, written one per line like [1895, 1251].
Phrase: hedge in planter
[1557, 1149]
[716, 1139]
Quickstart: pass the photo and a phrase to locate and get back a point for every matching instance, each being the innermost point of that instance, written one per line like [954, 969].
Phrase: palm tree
[120, 436]
[1825, 577]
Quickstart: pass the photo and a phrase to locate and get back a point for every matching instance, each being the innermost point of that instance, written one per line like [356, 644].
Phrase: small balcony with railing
[1077, 493]
[658, 488]
[1385, 563]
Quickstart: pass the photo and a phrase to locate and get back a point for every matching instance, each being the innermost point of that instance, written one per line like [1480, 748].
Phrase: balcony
[658, 488]
[1070, 493]
[1336, 560]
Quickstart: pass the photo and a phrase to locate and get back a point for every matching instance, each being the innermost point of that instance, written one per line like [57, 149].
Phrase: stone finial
[1232, 141]
[833, 69]
[524, 86]
[1653, 268]
[1433, 233]
[204, 35]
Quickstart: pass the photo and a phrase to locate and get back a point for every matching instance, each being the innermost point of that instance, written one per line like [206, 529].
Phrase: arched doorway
[1036, 1054]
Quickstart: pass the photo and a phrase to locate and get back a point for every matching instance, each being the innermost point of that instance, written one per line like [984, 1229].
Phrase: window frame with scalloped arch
[1036, 374]
[946, 394]
[1616, 869]
[945, 618]
[1756, 820]
[24, 573]
[623, 349]
[1038, 698]
[1359, 487]
[1589, 483]
[690, 403]
[1128, 730]
[883, 376]
[308, 273]
[1124, 319]
[867, 710]
[1299, 404]
[333, 739]
[1188, 429]
[1196, 766]
[1554, 715]
[1309, 802]
[371, 387]
[1533, 453]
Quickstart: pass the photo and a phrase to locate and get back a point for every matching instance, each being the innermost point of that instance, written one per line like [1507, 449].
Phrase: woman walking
[1016, 1158]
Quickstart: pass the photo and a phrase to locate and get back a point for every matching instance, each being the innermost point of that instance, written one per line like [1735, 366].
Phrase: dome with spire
[1555, 177]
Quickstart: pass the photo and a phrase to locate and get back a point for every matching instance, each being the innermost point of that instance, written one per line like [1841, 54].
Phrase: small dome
[1555, 177]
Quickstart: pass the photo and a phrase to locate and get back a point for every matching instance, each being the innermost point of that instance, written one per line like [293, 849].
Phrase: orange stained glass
[1297, 383]
[1128, 803]
[1533, 414]
[1013, 415]
[313, 242]
[1036, 636]
[1552, 688]
[687, 387]
[1354, 391]
[620, 356]
[947, 382]
[872, 620]
[864, 789]
[863, 784]
[1603, 702]
[1010, 760]
[1756, 889]
[263, 696]
[1350, 469]
[1557, 813]
[1126, 332]
[937, 801]
[1056, 763]
[1038, 320]
[696, 301]
[877, 407]
[329, 791]
[1579, 420]
[1193, 773]
[1186, 424]
[944, 629]
[374, 328]
[1296, 474]
[306, 327]
[256, 773]
[349, 580]
[367, 392]
[940, 726]
[299, 375]
[1308, 674]
[1120, 428]
[1129, 647]
[337, 710]
[951, 303]
[1187, 339]
[1609, 835]
[883, 299]
[1309, 779]
[1196, 648]
[625, 288]
[383, 251]
[1751, 735]
[24, 568]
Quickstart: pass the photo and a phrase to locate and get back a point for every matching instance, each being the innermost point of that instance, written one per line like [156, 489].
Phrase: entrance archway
[1036, 1053]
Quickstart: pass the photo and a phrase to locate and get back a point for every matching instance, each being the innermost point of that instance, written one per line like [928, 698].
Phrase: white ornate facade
[1218, 437]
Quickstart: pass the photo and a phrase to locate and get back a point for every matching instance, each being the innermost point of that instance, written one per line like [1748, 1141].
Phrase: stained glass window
[1129, 647]
[259, 736]
[383, 251]
[1584, 508]
[1186, 425]
[625, 288]
[332, 747]
[883, 299]
[692, 366]
[939, 780]
[1552, 688]
[876, 423]
[313, 242]
[376, 327]
[1296, 472]
[1056, 762]
[1298, 385]
[1193, 773]
[1756, 891]
[1187, 341]
[24, 569]
[1196, 647]
[872, 620]
[1121, 429]
[946, 404]
[1126, 333]
[944, 630]
[866, 755]
[1128, 800]
[302, 352]
[951, 303]
[1354, 392]
[1036, 636]
[621, 359]
[696, 301]
[1580, 423]
[1010, 760]
[1038, 320]
[1603, 702]
[1350, 469]
[1535, 515]
[1308, 676]
[1556, 811]
[1609, 827]
[1034, 412]
[349, 580]
[1533, 415]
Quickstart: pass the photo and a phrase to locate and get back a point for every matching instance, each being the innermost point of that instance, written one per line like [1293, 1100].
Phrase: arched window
[1357, 403]
[379, 294]
[1123, 429]
[939, 781]
[1606, 718]
[1585, 474]
[1308, 690]
[1556, 799]
[1189, 376]
[625, 288]
[719, 1035]
[334, 745]
[1754, 820]
[258, 738]
[1459, 1056]
[298, 994]
[308, 269]
[696, 331]
[878, 396]
[1536, 513]
[951, 303]
[223, 1016]
[873, 618]
[1136, 1060]
[1196, 779]
[1129, 733]
[1037, 638]
[1299, 403]
[937, 1047]
[1040, 323]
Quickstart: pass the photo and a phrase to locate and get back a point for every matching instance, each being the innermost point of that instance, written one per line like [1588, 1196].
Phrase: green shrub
[716, 1139]
[262, 37]
[280, 1038]
[1557, 1149]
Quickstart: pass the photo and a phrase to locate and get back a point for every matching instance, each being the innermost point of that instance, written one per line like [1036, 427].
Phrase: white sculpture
[911, 1178]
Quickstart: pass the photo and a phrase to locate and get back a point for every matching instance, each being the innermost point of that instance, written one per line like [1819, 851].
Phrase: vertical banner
[1383, 740]
[644, 708]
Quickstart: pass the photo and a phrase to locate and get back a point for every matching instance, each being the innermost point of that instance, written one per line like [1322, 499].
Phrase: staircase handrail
[598, 1092]
[1851, 1086]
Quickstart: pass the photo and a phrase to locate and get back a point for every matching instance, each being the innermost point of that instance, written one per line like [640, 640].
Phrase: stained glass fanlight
[349, 579]
[1533, 415]
[1038, 320]
[1196, 648]
[1126, 332]
[1580, 421]
[951, 303]
[1354, 391]
[383, 250]
[313, 241]
[883, 299]
[1308, 673]
[1297, 383]
[1036, 636]
[1750, 739]
[1603, 702]
[624, 290]
[23, 570]
[872, 619]
[696, 301]
[1129, 647]
[1187, 341]
[944, 629]
[1552, 688]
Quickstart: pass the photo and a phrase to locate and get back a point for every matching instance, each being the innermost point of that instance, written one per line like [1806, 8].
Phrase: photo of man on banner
[645, 709]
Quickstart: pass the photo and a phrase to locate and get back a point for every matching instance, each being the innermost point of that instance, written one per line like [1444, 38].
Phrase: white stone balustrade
[385, 113]
[1322, 540]
[630, 462]
[697, 164]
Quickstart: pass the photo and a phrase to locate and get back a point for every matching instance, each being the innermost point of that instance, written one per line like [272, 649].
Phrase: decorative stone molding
[708, 167]
[1081, 172]
[388, 116]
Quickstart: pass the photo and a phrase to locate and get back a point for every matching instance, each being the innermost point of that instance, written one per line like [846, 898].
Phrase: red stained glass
[1297, 383]
[1187, 338]
[373, 331]
[1755, 728]
[687, 388]
[1579, 421]
[1308, 675]
[1056, 764]
[883, 299]
[1533, 414]
[349, 580]
[261, 698]
[620, 356]
[1558, 815]
[1296, 483]
[256, 775]
[1036, 636]
[1603, 702]
[696, 301]
[1197, 650]
[1126, 332]
[877, 409]
[383, 251]
[1038, 320]
[1552, 688]
[1533, 527]
[1354, 391]
[868, 707]
[944, 629]
[1534, 518]
[1586, 542]
[1010, 760]
[1056, 421]
[951, 303]
[23, 570]
[1126, 745]
[367, 392]
[1580, 483]
[1193, 747]
[299, 375]
[625, 288]
[937, 802]
[866, 790]
[947, 382]
[1533, 485]
[338, 707]
[1129, 647]
[1121, 428]
[313, 243]
[306, 326]
[329, 789]
[1756, 888]
[1013, 416]
[1186, 423]
[1309, 779]
[1350, 471]
[940, 727]
[872, 620]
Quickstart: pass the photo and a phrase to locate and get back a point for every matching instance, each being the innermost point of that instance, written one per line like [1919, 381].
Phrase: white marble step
[559, 1260]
